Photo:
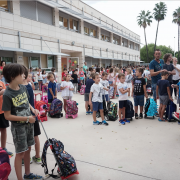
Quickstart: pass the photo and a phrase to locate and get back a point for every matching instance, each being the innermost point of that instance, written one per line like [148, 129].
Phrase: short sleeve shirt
[2, 86]
[105, 83]
[84, 68]
[138, 86]
[81, 73]
[169, 67]
[163, 84]
[122, 97]
[53, 87]
[154, 65]
[97, 90]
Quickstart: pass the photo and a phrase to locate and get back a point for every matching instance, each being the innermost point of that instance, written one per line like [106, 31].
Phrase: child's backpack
[112, 111]
[65, 161]
[129, 112]
[171, 107]
[150, 108]
[72, 108]
[82, 90]
[5, 167]
[111, 92]
[56, 109]
[58, 86]
[36, 85]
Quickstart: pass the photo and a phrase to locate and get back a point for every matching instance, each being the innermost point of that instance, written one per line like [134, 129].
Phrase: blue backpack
[56, 109]
[171, 107]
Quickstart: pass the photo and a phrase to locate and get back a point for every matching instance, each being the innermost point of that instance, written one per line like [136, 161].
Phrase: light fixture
[73, 43]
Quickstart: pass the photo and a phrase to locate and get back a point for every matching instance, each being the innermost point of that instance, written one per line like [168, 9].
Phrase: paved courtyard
[144, 149]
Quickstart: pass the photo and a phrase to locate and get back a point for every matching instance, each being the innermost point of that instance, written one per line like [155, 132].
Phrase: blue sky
[126, 12]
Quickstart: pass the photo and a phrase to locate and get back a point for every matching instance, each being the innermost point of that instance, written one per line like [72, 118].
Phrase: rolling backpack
[36, 85]
[82, 90]
[150, 108]
[5, 167]
[129, 112]
[171, 107]
[112, 111]
[72, 108]
[56, 109]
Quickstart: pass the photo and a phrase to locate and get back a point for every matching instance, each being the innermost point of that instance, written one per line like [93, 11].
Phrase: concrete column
[111, 37]
[58, 68]
[112, 62]
[98, 33]
[100, 63]
[81, 26]
[128, 43]
[120, 40]
[18, 58]
[133, 45]
[15, 7]
[56, 17]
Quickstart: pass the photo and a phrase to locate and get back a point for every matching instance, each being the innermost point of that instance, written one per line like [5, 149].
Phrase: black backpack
[129, 112]
[65, 161]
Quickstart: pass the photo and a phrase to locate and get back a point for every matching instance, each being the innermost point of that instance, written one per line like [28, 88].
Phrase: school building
[63, 34]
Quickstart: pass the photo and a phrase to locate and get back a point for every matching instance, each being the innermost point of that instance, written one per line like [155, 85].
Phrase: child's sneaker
[23, 161]
[87, 113]
[36, 160]
[96, 123]
[176, 116]
[136, 116]
[140, 116]
[8, 152]
[126, 120]
[105, 123]
[33, 176]
[90, 112]
[122, 122]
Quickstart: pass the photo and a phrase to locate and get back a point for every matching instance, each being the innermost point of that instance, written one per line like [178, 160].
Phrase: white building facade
[63, 34]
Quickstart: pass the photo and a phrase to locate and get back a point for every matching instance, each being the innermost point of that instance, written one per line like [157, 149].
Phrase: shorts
[39, 80]
[110, 82]
[67, 97]
[153, 86]
[3, 122]
[97, 106]
[122, 104]
[86, 96]
[81, 78]
[85, 74]
[164, 99]
[37, 130]
[139, 100]
[106, 97]
[50, 101]
[23, 136]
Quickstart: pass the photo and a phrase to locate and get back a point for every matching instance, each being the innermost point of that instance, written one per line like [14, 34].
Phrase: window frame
[39, 62]
[53, 61]
[5, 60]
[8, 7]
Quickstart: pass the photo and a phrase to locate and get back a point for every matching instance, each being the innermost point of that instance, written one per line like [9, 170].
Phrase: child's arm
[2, 92]
[169, 94]
[55, 93]
[157, 93]
[123, 91]
[33, 86]
[35, 111]
[132, 94]
[90, 97]
[145, 93]
[106, 89]
[50, 89]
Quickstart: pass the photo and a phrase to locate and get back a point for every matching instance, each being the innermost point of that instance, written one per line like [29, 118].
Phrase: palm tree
[176, 19]
[144, 20]
[160, 11]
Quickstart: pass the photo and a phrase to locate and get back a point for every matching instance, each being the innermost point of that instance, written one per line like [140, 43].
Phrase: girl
[128, 80]
[3, 63]
[44, 77]
[70, 71]
[81, 74]
[64, 73]
[55, 74]
[77, 68]
[111, 77]
[40, 79]
[67, 90]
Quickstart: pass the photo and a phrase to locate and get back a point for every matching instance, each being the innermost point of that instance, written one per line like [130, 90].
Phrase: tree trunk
[156, 36]
[178, 44]
[146, 46]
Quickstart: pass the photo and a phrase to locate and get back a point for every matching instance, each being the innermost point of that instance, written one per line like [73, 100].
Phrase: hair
[166, 56]
[98, 70]
[75, 70]
[101, 68]
[25, 71]
[11, 71]
[92, 75]
[39, 67]
[111, 70]
[157, 50]
[66, 76]
[81, 67]
[64, 69]
[164, 73]
[121, 75]
[141, 70]
[30, 68]
[104, 73]
[43, 71]
[129, 70]
[53, 69]
[95, 75]
[49, 75]
[90, 68]
[2, 62]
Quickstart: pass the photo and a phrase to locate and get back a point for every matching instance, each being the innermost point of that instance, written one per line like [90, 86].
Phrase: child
[128, 80]
[163, 93]
[111, 77]
[17, 109]
[39, 74]
[81, 74]
[138, 91]
[89, 83]
[30, 80]
[67, 90]
[44, 77]
[53, 70]
[37, 132]
[105, 83]
[64, 73]
[96, 99]
[122, 91]
[74, 78]
[52, 91]
[3, 122]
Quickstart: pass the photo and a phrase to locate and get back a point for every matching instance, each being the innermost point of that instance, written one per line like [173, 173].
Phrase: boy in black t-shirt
[75, 80]
[138, 92]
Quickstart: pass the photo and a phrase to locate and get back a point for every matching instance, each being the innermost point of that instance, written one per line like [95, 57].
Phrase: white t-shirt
[70, 72]
[97, 90]
[122, 97]
[176, 76]
[45, 78]
[104, 83]
[146, 73]
[40, 76]
[66, 91]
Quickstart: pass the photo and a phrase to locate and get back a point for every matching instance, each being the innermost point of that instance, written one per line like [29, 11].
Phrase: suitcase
[44, 98]
[171, 107]
[72, 109]
[82, 90]
[150, 108]
[129, 112]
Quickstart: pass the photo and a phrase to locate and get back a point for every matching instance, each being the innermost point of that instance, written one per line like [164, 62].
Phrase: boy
[105, 83]
[123, 90]
[17, 109]
[163, 93]
[52, 91]
[96, 90]
[3, 122]
[75, 80]
[89, 83]
[138, 91]
[37, 132]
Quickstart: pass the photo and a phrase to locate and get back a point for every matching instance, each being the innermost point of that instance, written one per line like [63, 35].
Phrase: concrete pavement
[144, 149]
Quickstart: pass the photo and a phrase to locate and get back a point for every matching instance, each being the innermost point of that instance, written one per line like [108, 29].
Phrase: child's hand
[55, 97]
[32, 119]
[146, 96]
[36, 112]
[172, 85]
[90, 102]
[128, 90]
[170, 99]
[157, 97]
[2, 92]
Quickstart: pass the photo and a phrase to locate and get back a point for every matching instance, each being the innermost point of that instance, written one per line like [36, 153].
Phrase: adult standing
[170, 68]
[176, 76]
[85, 68]
[3, 63]
[155, 67]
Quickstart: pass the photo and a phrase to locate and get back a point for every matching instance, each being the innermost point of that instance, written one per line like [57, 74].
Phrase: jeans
[175, 82]
[75, 86]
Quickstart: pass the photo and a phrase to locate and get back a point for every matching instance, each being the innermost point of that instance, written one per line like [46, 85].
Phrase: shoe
[176, 116]
[140, 116]
[87, 113]
[136, 116]
[23, 161]
[36, 160]
[8, 152]
[126, 120]
[105, 123]
[122, 122]
[96, 123]
[33, 176]
[90, 112]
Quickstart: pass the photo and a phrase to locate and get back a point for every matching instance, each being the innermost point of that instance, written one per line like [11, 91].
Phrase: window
[8, 60]
[122, 43]
[35, 62]
[5, 5]
[65, 22]
[86, 30]
[129, 56]
[50, 62]
[91, 32]
[102, 37]
[107, 39]
[71, 23]
[75, 26]
[94, 33]
[115, 40]
[60, 21]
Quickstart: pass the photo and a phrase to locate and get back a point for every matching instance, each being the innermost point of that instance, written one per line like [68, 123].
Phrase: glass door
[72, 62]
